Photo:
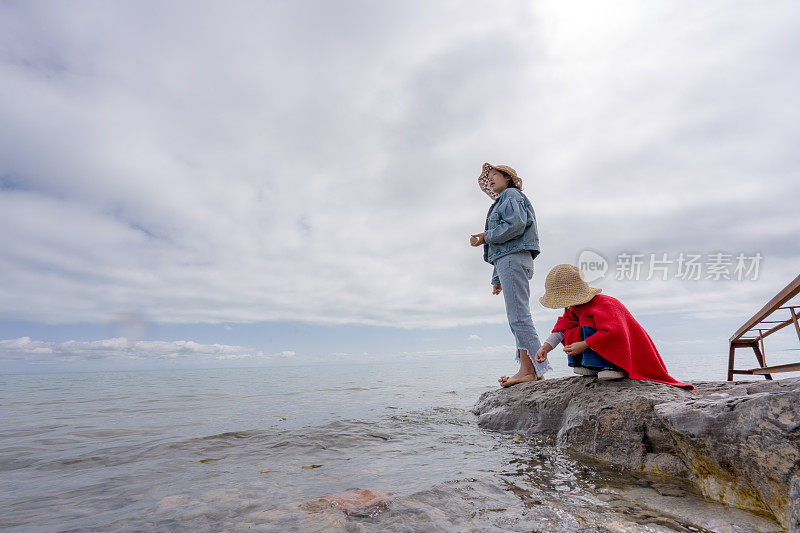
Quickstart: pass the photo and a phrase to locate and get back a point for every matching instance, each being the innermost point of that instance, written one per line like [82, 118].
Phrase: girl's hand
[576, 348]
[477, 239]
[496, 288]
[541, 354]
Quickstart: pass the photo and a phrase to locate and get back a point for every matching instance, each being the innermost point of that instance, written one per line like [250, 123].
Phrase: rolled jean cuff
[541, 368]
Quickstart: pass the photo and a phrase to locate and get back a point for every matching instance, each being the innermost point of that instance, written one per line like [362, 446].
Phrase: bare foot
[503, 379]
[517, 378]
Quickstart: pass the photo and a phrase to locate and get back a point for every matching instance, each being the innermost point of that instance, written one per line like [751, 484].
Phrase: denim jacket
[510, 227]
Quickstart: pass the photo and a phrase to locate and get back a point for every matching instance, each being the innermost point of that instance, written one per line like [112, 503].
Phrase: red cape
[619, 338]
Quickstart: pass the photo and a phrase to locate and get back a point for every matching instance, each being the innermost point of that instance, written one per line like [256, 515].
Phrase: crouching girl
[600, 336]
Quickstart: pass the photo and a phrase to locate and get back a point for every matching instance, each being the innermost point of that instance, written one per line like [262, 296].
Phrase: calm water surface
[224, 449]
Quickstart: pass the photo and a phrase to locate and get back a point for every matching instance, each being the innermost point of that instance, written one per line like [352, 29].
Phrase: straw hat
[483, 179]
[564, 287]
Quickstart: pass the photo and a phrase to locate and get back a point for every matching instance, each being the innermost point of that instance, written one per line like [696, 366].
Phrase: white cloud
[265, 164]
[473, 337]
[42, 352]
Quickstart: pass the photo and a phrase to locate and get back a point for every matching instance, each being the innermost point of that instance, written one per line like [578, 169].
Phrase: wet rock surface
[522, 502]
[737, 442]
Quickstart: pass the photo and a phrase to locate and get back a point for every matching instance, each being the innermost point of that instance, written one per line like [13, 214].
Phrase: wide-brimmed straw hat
[483, 179]
[564, 287]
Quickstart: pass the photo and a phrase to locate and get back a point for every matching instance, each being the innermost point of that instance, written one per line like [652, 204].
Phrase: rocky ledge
[738, 442]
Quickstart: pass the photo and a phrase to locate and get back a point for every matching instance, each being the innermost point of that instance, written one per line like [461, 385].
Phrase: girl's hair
[506, 175]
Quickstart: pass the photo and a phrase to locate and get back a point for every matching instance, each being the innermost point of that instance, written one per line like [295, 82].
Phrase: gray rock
[738, 442]
[794, 495]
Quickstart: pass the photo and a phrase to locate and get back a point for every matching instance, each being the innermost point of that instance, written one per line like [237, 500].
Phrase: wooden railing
[752, 333]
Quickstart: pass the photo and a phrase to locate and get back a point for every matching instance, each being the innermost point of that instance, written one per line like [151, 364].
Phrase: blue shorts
[589, 358]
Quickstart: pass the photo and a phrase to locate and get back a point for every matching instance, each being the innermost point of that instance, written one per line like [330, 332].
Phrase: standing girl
[511, 243]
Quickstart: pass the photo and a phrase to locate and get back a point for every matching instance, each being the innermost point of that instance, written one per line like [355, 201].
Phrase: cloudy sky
[297, 181]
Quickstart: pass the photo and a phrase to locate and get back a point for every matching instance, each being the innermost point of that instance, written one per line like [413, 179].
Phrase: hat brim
[560, 302]
[483, 181]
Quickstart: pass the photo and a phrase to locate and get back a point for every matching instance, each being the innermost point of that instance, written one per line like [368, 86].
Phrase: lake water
[225, 450]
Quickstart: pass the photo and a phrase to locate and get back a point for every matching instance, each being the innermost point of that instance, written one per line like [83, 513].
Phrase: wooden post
[794, 319]
[760, 359]
[731, 354]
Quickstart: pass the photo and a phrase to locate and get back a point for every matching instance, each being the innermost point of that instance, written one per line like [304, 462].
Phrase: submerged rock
[360, 503]
[738, 442]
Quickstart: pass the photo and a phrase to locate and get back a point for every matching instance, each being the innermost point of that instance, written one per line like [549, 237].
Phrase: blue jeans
[589, 358]
[515, 270]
